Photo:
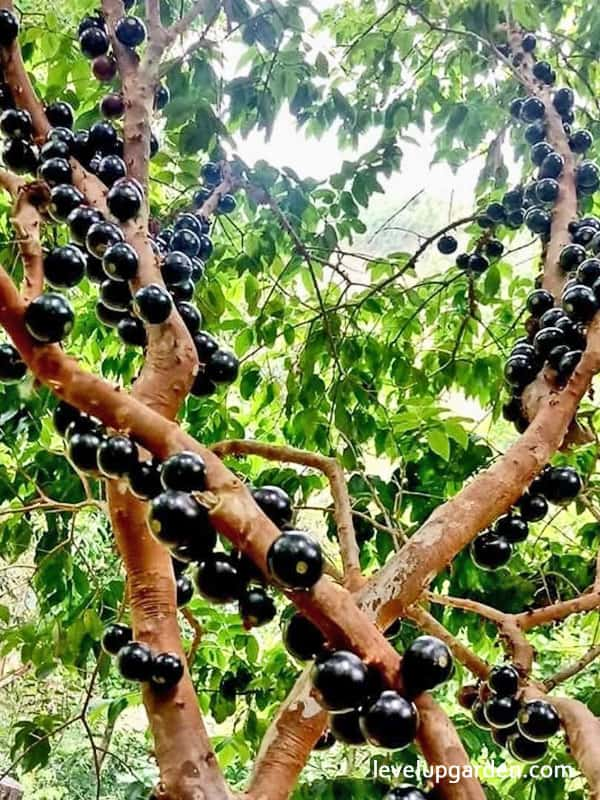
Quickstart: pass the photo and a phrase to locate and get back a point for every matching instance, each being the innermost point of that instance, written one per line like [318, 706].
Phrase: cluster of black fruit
[523, 727]
[360, 708]
[94, 40]
[137, 662]
[487, 250]
[494, 548]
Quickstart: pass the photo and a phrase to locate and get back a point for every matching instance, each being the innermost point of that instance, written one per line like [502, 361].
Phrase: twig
[572, 669]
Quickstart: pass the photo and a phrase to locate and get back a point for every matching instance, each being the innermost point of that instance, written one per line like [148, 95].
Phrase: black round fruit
[130, 31]
[493, 248]
[166, 672]
[83, 451]
[256, 607]
[190, 315]
[563, 100]
[131, 331]
[275, 503]
[543, 72]
[295, 560]
[124, 200]
[552, 166]
[218, 580]
[427, 663]
[185, 241]
[567, 365]
[547, 190]
[49, 318]
[183, 292]
[538, 720]
[176, 269]
[222, 367]
[226, 204]
[110, 169]
[529, 42]
[501, 712]
[117, 456]
[161, 97]
[56, 171]
[555, 355]
[533, 507]
[571, 257]
[588, 272]
[580, 303]
[12, 367]
[512, 528]
[581, 141]
[211, 173]
[185, 590]
[80, 221]
[525, 749]
[532, 109]
[478, 714]
[94, 42]
[144, 480]
[116, 295]
[63, 200]
[520, 370]
[84, 424]
[340, 681]
[546, 339]
[120, 262]
[108, 316]
[16, 123]
[153, 304]
[63, 415]
[175, 517]
[345, 728]
[60, 114]
[539, 152]
[19, 156]
[64, 267]
[561, 485]
[587, 176]
[115, 637]
[206, 345]
[504, 680]
[101, 236]
[538, 220]
[103, 138]
[447, 245]
[390, 722]
[478, 263]
[135, 662]
[9, 27]
[490, 552]
[301, 638]
[184, 472]
[55, 148]
[539, 301]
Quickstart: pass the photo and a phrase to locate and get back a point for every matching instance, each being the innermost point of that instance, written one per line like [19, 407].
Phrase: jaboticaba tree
[176, 317]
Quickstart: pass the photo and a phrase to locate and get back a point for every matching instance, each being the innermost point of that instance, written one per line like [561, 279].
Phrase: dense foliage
[354, 340]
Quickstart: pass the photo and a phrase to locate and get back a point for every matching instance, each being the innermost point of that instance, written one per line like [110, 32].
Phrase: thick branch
[331, 468]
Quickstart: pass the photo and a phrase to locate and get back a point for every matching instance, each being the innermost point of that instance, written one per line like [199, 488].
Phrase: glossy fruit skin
[104, 69]
[538, 720]
[546, 339]
[326, 740]
[60, 114]
[103, 138]
[101, 236]
[573, 332]
[55, 171]
[501, 735]
[543, 71]
[187, 221]
[468, 696]
[211, 173]
[55, 148]
[19, 156]
[130, 31]
[175, 517]
[94, 42]
[513, 199]
[63, 415]
[547, 190]
[588, 272]
[561, 485]
[222, 367]
[9, 27]
[529, 42]
[538, 220]
[580, 303]
[83, 451]
[490, 552]
[345, 727]
[161, 97]
[563, 100]
[514, 219]
[117, 456]
[587, 175]
[427, 663]
[116, 295]
[340, 681]
[183, 292]
[64, 267]
[256, 607]
[176, 269]
[132, 332]
[504, 680]
[295, 560]
[539, 301]
[478, 263]
[115, 637]
[493, 248]
[447, 245]
[12, 367]
[49, 318]
[533, 507]
[567, 365]
[391, 721]
[501, 712]
[16, 123]
[275, 503]
[112, 106]
[301, 638]
[185, 590]
[552, 166]
[200, 197]
[206, 345]
[572, 256]
[511, 410]
[80, 221]
[185, 241]
[227, 204]
[135, 662]
[144, 480]
[190, 315]
[515, 107]
[166, 672]
[108, 316]
[120, 262]
[524, 749]
[512, 528]
[124, 200]
[153, 304]
[555, 355]
[64, 199]
[478, 714]
[184, 472]
[83, 423]
[520, 370]
[218, 580]
[581, 141]
[532, 110]
[110, 169]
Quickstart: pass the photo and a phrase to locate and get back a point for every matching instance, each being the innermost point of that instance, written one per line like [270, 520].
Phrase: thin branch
[572, 669]
[198, 633]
